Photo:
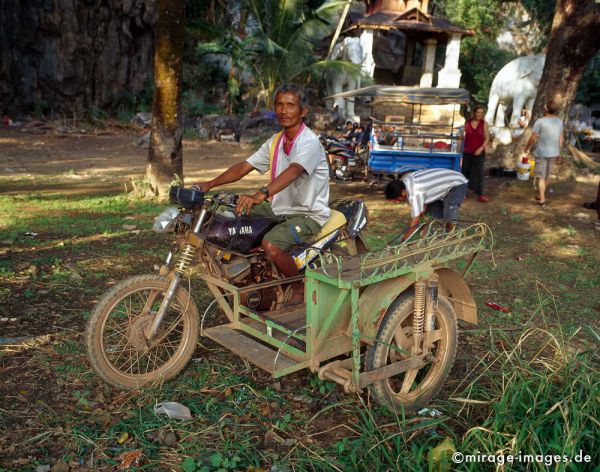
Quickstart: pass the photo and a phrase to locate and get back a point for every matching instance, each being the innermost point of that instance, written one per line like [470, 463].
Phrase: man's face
[288, 110]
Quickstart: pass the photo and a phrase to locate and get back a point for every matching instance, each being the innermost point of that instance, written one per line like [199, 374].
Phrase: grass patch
[52, 216]
[515, 387]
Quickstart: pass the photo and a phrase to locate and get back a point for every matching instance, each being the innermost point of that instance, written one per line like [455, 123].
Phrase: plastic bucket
[523, 170]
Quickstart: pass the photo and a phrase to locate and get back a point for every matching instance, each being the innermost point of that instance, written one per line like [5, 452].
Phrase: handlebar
[193, 197]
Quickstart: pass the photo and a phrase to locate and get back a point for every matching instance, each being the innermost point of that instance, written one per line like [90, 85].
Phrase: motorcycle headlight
[165, 222]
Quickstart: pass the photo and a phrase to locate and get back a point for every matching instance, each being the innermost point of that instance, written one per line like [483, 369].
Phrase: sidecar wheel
[116, 345]
[414, 388]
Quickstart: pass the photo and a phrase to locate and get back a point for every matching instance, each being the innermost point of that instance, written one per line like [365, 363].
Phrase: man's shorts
[543, 167]
[291, 231]
[449, 206]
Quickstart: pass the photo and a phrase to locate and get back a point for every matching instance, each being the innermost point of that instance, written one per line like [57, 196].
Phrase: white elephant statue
[517, 84]
[347, 50]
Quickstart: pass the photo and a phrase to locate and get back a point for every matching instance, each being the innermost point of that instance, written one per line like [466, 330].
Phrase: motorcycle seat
[336, 220]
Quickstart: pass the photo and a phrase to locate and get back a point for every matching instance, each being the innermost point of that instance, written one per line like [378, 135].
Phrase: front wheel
[116, 344]
[413, 388]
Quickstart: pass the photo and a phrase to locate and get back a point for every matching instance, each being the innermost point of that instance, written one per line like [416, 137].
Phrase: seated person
[390, 137]
[359, 135]
[299, 186]
[349, 130]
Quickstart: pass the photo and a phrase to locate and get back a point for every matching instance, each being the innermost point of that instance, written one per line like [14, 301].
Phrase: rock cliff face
[66, 55]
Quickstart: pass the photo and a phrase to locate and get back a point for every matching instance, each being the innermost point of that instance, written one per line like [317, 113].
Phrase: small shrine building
[400, 40]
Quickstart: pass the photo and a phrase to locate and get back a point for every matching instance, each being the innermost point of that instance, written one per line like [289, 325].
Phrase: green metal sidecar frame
[346, 301]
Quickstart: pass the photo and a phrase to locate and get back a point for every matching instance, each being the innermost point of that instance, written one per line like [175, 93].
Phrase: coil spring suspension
[419, 314]
[185, 259]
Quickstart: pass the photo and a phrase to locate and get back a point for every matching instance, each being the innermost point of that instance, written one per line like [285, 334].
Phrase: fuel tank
[239, 234]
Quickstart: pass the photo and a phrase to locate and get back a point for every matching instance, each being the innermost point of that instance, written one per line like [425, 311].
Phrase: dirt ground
[109, 160]
[42, 160]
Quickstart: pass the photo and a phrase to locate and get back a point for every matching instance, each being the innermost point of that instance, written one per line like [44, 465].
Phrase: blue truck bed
[385, 160]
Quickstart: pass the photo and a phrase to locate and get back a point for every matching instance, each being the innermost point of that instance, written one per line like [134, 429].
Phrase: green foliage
[542, 12]
[285, 40]
[589, 87]
[541, 396]
[280, 48]
[480, 57]
[482, 16]
[97, 114]
[480, 61]
[40, 108]
[322, 386]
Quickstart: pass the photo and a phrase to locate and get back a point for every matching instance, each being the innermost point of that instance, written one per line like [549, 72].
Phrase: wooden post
[338, 29]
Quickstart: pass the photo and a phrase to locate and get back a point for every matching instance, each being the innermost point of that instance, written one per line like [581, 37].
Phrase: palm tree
[280, 46]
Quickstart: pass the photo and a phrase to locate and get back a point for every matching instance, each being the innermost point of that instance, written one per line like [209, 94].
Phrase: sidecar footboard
[261, 355]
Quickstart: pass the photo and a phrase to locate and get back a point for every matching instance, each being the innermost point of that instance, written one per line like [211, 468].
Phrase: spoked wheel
[117, 346]
[413, 388]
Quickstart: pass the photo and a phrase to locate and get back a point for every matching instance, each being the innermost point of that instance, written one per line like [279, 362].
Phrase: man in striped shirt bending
[438, 192]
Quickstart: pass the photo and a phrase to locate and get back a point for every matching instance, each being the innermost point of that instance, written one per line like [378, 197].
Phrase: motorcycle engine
[236, 269]
[243, 271]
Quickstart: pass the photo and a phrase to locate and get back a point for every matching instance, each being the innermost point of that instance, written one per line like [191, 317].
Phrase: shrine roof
[410, 94]
[417, 23]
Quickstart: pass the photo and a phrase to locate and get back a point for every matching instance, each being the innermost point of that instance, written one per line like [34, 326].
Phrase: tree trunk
[70, 56]
[165, 158]
[572, 45]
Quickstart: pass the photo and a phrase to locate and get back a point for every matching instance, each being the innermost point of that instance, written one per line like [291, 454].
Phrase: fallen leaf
[438, 457]
[60, 466]
[167, 438]
[75, 277]
[271, 437]
[129, 458]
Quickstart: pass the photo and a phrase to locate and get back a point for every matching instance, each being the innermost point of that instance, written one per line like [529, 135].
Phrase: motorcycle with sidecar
[384, 319]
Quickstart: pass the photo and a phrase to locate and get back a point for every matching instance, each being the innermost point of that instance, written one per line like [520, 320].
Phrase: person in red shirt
[476, 138]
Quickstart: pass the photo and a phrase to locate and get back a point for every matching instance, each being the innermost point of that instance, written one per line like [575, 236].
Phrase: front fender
[453, 286]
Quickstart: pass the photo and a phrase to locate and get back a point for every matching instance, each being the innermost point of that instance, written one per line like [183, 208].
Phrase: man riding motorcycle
[299, 187]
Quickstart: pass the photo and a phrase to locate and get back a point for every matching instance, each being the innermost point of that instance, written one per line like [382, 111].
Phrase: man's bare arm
[532, 140]
[412, 227]
[285, 178]
[245, 202]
